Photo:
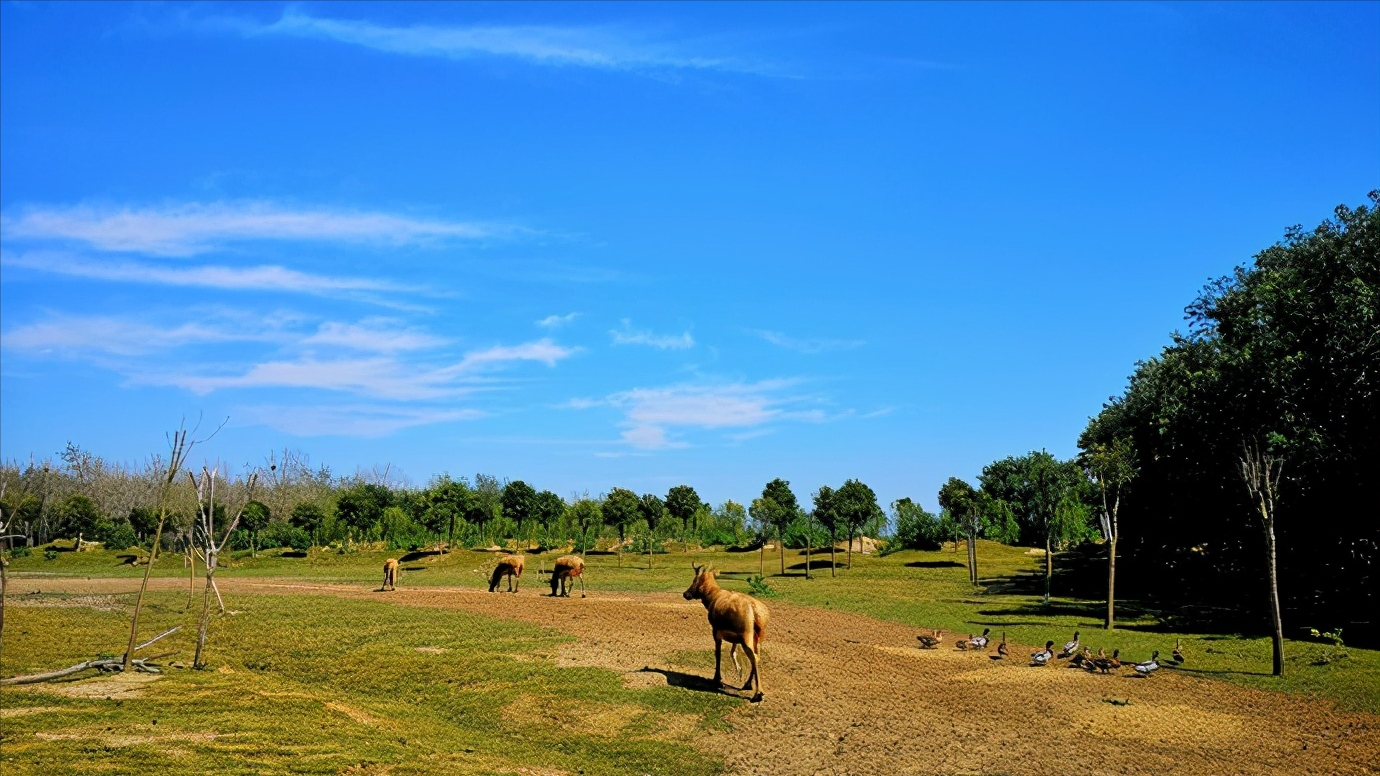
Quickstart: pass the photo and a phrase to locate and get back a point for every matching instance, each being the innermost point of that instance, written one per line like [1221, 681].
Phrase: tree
[361, 507]
[652, 509]
[1261, 470]
[449, 505]
[621, 509]
[826, 512]
[961, 501]
[78, 517]
[782, 511]
[762, 510]
[584, 514]
[255, 518]
[519, 504]
[547, 509]
[916, 529]
[683, 503]
[308, 517]
[855, 504]
[1113, 467]
[485, 503]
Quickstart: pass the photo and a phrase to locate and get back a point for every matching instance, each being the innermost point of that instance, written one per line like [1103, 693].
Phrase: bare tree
[1113, 467]
[180, 447]
[1261, 472]
[204, 530]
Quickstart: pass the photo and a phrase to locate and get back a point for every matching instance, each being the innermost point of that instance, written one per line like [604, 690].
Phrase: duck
[1070, 647]
[1178, 652]
[930, 642]
[1105, 664]
[1149, 666]
[1081, 658]
[1042, 657]
[964, 643]
[979, 642]
[1115, 662]
[1002, 650]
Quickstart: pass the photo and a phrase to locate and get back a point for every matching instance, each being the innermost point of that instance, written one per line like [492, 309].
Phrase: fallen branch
[167, 632]
[104, 664]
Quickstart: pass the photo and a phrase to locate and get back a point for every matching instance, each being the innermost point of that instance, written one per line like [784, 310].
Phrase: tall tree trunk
[620, 547]
[850, 547]
[1275, 621]
[780, 539]
[1049, 566]
[833, 550]
[972, 561]
[1111, 583]
[191, 573]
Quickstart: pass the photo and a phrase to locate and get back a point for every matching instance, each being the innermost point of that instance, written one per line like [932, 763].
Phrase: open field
[441, 676]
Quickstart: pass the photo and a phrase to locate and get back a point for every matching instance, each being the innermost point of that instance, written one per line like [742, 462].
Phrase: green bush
[118, 536]
[50, 554]
[800, 531]
[280, 534]
[758, 586]
[21, 552]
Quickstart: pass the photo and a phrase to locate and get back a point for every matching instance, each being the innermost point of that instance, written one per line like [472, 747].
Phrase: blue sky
[591, 246]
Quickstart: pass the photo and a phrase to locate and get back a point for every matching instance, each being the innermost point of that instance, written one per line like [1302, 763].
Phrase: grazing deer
[509, 566]
[734, 617]
[390, 574]
[568, 567]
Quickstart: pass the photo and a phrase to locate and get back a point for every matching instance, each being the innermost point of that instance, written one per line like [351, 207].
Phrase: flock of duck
[1078, 654]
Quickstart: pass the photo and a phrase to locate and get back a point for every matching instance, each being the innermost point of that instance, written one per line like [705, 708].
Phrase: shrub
[280, 534]
[21, 552]
[50, 553]
[758, 586]
[118, 536]
[801, 530]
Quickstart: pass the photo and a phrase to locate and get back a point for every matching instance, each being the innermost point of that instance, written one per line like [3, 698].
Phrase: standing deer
[509, 566]
[568, 567]
[390, 574]
[734, 617]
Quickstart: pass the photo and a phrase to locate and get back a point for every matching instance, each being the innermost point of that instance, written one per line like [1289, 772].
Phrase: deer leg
[754, 681]
[718, 658]
[582, 586]
[733, 653]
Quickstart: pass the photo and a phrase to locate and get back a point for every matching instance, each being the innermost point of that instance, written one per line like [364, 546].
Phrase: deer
[390, 574]
[739, 619]
[510, 566]
[568, 567]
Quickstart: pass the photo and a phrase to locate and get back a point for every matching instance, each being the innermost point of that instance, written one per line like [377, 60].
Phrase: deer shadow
[692, 682]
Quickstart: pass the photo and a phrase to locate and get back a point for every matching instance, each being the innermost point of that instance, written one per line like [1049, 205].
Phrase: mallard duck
[963, 643]
[1149, 666]
[1091, 662]
[1002, 650]
[1178, 652]
[980, 642]
[1115, 662]
[1070, 647]
[1079, 659]
[1042, 657]
[930, 642]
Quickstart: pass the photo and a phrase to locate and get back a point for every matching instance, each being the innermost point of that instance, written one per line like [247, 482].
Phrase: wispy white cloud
[605, 47]
[379, 335]
[261, 278]
[627, 335]
[191, 228]
[543, 350]
[356, 420]
[383, 377]
[807, 345]
[557, 321]
[652, 414]
[74, 334]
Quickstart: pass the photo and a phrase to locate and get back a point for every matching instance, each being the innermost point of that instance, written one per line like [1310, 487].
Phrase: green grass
[309, 684]
[921, 589]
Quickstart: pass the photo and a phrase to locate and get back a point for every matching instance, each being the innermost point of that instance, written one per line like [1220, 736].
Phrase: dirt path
[848, 694]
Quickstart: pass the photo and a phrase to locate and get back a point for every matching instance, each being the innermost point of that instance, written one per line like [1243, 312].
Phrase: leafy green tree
[684, 505]
[449, 505]
[827, 514]
[916, 529]
[485, 504]
[78, 517]
[143, 520]
[782, 509]
[361, 507]
[308, 516]
[962, 502]
[519, 505]
[548, 509]
[762, 510]
[584, 514]
[621, 509]
[255, 518]
[652, 509]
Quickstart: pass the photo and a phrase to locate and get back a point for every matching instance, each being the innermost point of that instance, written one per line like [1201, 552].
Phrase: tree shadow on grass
[418, 555]
[935, 564]
[814, 564]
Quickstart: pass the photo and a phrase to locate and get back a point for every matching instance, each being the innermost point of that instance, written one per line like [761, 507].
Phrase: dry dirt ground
[849, 694]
